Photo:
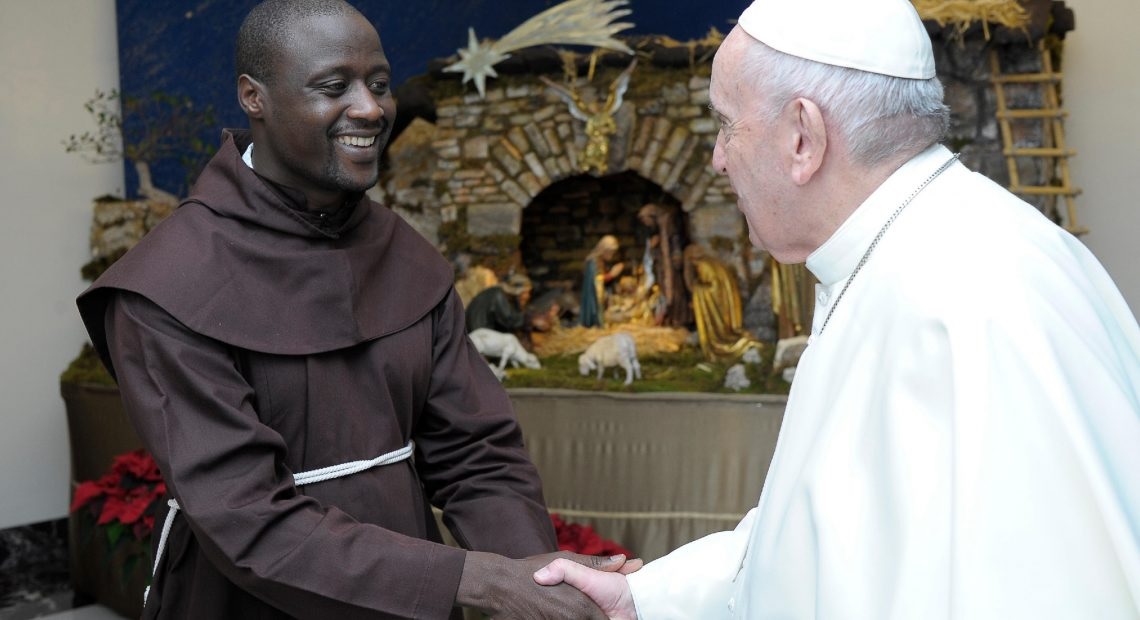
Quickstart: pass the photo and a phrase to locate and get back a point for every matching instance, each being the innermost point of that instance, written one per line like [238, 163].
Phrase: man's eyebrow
[720, 117]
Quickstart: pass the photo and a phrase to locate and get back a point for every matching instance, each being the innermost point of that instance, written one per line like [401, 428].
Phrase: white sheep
[613, 350]
[505, 347]
[501, 375]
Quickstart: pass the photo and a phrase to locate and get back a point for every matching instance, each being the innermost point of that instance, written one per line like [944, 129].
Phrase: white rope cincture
[299, 479]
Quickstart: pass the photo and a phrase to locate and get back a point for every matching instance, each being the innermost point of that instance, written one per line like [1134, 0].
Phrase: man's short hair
[267, 29]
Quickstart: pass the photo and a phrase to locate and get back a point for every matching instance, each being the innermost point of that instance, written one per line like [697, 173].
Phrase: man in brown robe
[280, 322]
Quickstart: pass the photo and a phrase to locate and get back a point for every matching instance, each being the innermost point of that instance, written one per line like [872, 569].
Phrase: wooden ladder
[1052, 150]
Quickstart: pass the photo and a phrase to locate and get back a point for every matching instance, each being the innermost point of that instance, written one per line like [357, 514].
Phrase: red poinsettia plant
[126, 499]
[583, 539]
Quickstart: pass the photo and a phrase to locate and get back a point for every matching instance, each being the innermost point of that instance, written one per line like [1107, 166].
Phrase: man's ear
[809, 139]
[251, 96]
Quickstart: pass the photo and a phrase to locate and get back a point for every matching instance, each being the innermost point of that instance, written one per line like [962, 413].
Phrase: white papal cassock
[962, 441]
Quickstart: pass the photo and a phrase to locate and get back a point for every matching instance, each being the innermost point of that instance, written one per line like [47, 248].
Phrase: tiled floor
[34, 576]
[57, 607]
[90, 612]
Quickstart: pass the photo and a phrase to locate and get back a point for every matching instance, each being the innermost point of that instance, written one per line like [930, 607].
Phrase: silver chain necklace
[882, 231]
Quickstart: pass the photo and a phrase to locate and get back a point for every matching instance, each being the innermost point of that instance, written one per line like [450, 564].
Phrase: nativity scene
[588, 171]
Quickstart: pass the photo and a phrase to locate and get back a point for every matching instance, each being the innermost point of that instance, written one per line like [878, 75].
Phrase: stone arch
[564, 221]
[674, 155]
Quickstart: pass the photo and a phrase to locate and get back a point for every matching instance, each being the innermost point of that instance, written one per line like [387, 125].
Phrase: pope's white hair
[878, 117]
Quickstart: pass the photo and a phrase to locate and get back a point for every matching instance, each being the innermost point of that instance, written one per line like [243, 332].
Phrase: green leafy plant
[87, 369]
[168, 129]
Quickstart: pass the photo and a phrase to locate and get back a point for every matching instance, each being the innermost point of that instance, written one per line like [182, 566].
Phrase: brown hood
[237, 264]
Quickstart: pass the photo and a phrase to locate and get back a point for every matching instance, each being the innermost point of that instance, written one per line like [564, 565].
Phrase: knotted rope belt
[299, 479]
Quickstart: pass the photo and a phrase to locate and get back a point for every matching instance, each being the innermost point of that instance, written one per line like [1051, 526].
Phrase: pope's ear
[251, 96]
[809, 139]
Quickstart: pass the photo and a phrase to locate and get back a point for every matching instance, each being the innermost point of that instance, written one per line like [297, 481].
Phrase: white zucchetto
[879, 36]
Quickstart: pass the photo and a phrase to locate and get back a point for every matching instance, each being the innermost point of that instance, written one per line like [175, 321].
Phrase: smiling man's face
[328, 110]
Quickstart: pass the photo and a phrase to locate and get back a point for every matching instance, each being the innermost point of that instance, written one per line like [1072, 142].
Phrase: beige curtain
[650, 471]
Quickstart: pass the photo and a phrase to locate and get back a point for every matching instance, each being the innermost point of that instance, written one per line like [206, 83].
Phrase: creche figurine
[613, 350]
[505, 347]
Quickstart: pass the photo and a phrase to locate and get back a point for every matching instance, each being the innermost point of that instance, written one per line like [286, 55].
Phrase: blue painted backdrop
[186, 47]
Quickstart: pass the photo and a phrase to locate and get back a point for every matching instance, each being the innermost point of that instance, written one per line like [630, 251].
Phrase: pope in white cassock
[962, 439]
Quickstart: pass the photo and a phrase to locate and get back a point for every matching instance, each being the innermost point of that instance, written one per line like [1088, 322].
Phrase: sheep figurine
[501, 375]
[506, 347]
[613, 350]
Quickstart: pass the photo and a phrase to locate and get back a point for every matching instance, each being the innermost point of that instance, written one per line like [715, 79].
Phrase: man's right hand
[505, 588]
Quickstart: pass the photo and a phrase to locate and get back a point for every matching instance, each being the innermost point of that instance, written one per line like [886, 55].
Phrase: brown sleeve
[470, 453]
[195, 413]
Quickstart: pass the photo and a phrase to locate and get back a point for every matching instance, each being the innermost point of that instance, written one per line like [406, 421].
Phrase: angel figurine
[599, 119]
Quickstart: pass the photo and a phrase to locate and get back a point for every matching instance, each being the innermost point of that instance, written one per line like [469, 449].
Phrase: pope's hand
[608, 590]
[505, 588]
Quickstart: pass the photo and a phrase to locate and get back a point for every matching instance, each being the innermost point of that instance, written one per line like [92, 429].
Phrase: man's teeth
[356, 140]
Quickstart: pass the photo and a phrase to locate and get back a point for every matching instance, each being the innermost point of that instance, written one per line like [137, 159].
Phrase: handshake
[553, 585]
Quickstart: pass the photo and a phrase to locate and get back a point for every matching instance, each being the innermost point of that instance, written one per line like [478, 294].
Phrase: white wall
[1102, 94]
[53, 55]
